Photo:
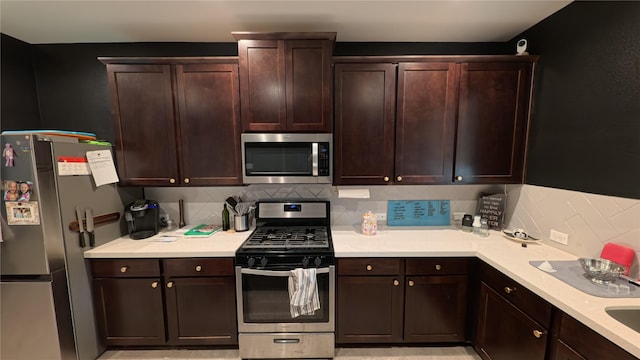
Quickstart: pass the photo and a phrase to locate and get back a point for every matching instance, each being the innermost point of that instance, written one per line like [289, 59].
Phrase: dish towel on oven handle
[303, 292]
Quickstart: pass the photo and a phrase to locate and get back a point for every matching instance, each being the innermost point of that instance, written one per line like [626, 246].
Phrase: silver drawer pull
[286, 341]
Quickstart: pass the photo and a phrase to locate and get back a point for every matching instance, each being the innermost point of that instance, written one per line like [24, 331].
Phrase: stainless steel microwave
[287, 158]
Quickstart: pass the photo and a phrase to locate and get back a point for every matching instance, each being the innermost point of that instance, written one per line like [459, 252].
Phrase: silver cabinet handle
[458, 178]
[386, 178]
[396, 282]
[537, 333]
[198, 268]
[286, 341]
[154, 284]
[509, 290]
[438, 267]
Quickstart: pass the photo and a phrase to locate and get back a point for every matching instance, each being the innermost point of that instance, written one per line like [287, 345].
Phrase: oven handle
[277, 273]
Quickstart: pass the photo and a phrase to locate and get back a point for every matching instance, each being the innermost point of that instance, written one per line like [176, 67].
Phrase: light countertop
[505, 255]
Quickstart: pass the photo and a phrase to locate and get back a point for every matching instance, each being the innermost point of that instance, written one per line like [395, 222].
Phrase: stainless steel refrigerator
[45, 288]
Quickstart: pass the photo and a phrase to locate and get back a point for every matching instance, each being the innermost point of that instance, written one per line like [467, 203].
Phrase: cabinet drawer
[585, 341]
[527, 301]
[198, 267]
[436, 266]
[369, 266]
[125, 268]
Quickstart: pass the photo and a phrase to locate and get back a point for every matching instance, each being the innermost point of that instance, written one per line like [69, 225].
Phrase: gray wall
[19, 101]
[585, 130]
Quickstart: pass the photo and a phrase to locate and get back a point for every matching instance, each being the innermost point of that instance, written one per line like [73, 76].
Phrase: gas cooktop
[286, 237]
[288, 232]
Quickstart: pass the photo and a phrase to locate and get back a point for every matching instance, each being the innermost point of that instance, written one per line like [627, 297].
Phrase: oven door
[263, 302]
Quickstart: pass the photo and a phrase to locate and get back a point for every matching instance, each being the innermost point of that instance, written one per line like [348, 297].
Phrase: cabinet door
[143, 112]
[209, 121]
[425, 123]
[435, 308]
[492, 122]
[262, 85]
[369, 309]
[201, 311]
[129, 311]
[364, 123]
[506, 333]
[308, 85]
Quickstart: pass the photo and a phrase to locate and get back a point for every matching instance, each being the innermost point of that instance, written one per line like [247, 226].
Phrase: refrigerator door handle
[83, 243]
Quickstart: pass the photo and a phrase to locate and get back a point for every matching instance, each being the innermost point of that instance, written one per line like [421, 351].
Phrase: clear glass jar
[484, 228]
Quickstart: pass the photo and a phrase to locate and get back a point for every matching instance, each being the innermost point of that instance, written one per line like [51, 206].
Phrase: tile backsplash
[204, 204]
[589, 220]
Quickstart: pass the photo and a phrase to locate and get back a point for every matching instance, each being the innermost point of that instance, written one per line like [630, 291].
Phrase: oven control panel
[284, 262]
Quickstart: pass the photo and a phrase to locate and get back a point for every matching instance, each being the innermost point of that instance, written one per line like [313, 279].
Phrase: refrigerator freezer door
[36, 323]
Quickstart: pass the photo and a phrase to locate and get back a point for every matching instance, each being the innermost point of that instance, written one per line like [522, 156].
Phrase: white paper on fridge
[102, 167]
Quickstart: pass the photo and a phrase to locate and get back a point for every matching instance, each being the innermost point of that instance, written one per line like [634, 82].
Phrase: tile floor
[394, 353]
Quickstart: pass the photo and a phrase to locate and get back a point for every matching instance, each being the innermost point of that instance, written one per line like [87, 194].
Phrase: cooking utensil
[600, 270]
[90, 228]
[232, 204]
[243, 208]
[83, 242]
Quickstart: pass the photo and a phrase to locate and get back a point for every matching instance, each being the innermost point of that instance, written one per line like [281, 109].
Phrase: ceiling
[92, 21]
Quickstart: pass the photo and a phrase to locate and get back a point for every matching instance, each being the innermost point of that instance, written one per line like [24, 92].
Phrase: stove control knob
[251, 261]
[305, 261]
[318, 261]
[263, 262]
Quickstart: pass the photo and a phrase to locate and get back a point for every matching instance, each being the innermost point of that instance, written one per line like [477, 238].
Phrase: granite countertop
[505, 255]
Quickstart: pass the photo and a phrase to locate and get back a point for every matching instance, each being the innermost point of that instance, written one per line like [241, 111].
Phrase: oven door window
[265, 299]
[278, 159]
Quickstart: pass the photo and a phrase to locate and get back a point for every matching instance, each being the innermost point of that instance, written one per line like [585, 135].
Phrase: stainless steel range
[281, 315]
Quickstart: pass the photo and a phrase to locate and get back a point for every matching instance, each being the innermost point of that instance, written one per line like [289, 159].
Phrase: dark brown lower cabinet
[435, 308]
[129, 311]
[387, 300]
[183, 302]
[575, 341]
[505, 332]
[369, 309]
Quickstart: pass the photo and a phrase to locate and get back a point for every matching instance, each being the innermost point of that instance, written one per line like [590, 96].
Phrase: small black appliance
[143, 218]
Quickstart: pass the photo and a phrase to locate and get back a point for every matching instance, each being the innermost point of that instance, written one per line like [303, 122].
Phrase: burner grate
[288, 237]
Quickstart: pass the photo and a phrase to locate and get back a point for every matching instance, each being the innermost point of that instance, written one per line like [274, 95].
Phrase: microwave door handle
[277, 273]
[314, 158]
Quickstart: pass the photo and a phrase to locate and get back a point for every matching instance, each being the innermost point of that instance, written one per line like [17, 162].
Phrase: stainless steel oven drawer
[286, 345]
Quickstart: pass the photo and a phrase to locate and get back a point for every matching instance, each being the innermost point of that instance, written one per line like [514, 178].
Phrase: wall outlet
[559, 237]
[381, 216]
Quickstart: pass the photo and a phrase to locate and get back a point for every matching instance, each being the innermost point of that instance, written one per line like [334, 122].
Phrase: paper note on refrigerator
[102, 167]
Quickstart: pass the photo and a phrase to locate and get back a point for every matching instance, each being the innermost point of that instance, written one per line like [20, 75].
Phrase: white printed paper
[102, 167]
[67, 168]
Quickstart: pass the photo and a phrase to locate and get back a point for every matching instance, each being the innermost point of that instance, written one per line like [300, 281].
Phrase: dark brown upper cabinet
[493, 116]
[177, 120]
[285, 81]
[449, 119]
[364, 123]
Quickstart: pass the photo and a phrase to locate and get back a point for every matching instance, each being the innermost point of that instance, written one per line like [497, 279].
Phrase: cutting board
[74, 134]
